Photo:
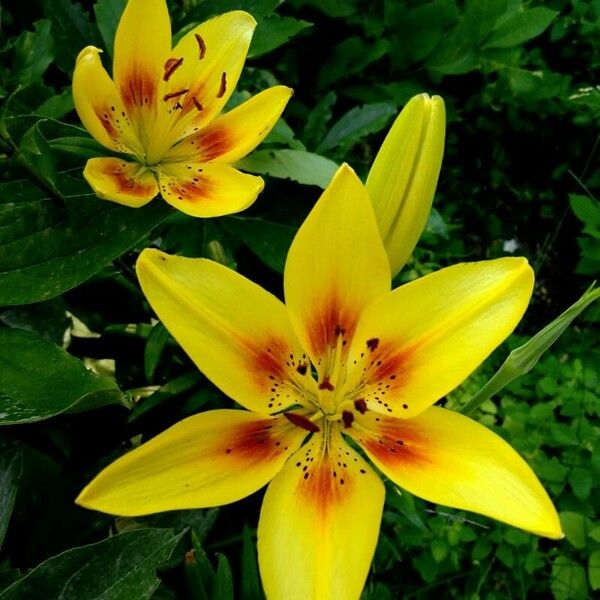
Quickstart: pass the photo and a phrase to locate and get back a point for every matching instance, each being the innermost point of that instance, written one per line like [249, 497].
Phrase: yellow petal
[238, 334]
[449, 459]
[231, 136]
[213, 56]
[142, 45]
[335, 267]
[319, 524]
[99, 105]
[422, 340]
[207, 190]
[403, 177]
[206, 460]
[124, 182]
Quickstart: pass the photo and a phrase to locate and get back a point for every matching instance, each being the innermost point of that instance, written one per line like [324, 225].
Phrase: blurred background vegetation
[520, 176]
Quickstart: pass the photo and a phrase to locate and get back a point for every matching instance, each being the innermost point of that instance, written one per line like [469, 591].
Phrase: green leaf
[522, 359]
[56, 107]
[357, 123]
[581, 481]
[269, 241]
[250, 585]
[594, 570]
[71, 30]
[39, 380]
[318, 119]
[521, 27]
[575, 527]
[273, 31]
[47, 247]
[304, 167]
[36, 154]
[33, 54]
[568, 580]
[223, 588]
[587, 210]
[108, 13]
[153, 350]
[11, 461]
[353, 55]
[122, 567]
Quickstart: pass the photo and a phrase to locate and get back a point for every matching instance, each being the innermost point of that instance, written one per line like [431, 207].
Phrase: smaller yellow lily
[163, 110]
[402, 179]
[345, 363]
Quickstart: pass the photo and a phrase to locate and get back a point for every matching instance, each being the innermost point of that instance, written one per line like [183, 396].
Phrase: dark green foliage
[520, 175]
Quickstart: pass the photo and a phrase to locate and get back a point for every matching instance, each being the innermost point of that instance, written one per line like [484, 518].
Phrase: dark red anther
[196, 103]
[347, 418]
[360, 405]
[301, 421]
[372, 344]
[171, 66]
[201, 45]
[174, 95]
[326, 385]
[302, 368]
[223, 87]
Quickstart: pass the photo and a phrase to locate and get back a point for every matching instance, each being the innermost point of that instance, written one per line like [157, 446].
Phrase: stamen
[201, 45]
[223, 87]
[326, 384]
[175, 94]
[197, 104]
[302, 422]
[360, 405]
[347, 418]
[171, 66]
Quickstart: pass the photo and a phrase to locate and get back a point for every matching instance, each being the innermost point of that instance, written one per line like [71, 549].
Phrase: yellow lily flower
[163, 109]
[402, 179]
[345, 359]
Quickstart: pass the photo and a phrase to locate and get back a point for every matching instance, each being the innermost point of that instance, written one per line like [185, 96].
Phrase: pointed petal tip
[87, 52]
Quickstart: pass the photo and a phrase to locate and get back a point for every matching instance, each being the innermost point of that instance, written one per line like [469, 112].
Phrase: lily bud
[402, 180]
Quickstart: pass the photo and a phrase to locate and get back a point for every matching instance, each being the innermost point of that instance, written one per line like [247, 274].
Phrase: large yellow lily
[163, 107]
[345, 363]
[404, 174]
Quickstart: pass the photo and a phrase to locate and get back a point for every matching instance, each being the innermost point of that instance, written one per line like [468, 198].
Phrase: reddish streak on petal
[331, 320]
[138, 89]
[267, 360]
[125, 183]
[253, 442]
[213, 144]
[397, 442]
[105, 117]
[390, 364]
[197, 189]
[322, 490]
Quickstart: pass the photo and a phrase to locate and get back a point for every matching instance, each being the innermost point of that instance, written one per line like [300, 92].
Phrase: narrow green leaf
[250, 585]
[223, 589]
[155, 345]
[522, 359]
[11, 462]
[119, 568]
[594, 570]
[521, 27]
[357, 123]
[39, 380]
[35, 153]
[47, 248]
[108, 13]
[304, 167]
